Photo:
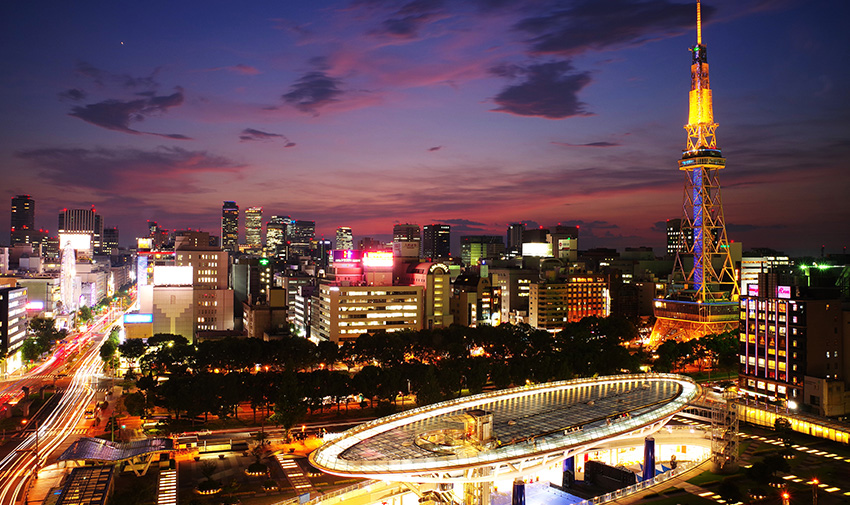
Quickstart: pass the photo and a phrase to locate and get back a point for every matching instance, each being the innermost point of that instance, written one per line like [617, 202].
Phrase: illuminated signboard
[138, 318]
[77, 241]
[264, 262]
[144, 243]
[170, 275]
[378, 259]
[783, 292]
[346, 256]
[35, 305]
[538, 249]
[753, 289]
[142, 270]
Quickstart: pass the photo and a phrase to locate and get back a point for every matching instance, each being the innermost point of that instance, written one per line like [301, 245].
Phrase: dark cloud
[589, 144]
[314, 90]
[117, 115]
[407, 21]
[73, 94]
[435, 148]
[165, 169]
[591, 24]
[103, 78]
[250, 134]
[549, 90]
[459, 222]
[739, 228]
[237, 69]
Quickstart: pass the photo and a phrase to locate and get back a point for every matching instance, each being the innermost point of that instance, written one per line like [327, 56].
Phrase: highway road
[50, 430]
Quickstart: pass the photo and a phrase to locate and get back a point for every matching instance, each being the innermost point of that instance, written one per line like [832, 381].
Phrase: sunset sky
[474, 113]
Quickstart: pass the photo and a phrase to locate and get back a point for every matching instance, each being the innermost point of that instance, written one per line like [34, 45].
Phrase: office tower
[344, 238]
[153, 226]
[407, 242]
[792, 344]
[13, 321]
[704, 297]
[474, 248]
[515, 231]
[229, 226]
[300, 234]
[436, 241]
[254, 228]
[23, 219]
[110, 239]
[78, 222]
[552, 305]
[564, 242]
[276, 237]
[674, 236]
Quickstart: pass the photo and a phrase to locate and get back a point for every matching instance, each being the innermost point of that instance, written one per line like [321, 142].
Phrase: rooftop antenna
[699, 24]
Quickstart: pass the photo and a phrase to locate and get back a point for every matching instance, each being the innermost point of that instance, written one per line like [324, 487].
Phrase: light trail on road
[20, 465]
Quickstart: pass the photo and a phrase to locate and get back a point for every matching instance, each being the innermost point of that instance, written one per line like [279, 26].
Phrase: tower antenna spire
[699, 24]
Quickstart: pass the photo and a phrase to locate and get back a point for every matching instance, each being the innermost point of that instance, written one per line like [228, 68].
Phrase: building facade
[344, 238]
[254, 228]
[436, 241]
[13, 318]
[22, 219]
[474, 248]
[343, 313]
[551, 305]
[230, 226]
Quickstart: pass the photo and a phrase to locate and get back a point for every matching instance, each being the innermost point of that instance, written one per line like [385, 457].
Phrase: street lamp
[815, 483]
[786, 497]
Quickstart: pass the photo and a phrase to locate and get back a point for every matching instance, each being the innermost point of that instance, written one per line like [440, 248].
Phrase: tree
[107, 353]
[84, 314]
[290, 406]
[30, 349]
[133, 349]
[135, 404]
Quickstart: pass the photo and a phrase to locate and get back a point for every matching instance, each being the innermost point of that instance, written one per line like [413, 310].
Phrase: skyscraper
[23, 219]
[474, 248]
[515, 231]
[110, 239]
[229, 226]
[83, 221]
[254, 228]
[436, 241]
[276, 236]
[704, 294]
[299, 235]
[344, 238]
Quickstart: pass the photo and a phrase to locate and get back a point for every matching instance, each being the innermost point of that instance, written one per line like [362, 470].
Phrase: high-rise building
[480, 247]
[276, 237]
[515, 231]
[13, 322]
[551, 305]
[674, 236]
[344, 238]
[254, 228]
[23, 219]
[110, 239]
[407, 241]
[704, 297]
[83, 221]
[436, 241]
[300, 233]
[230, 226]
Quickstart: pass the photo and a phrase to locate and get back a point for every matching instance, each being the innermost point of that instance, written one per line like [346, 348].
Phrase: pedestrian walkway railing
[640, 486]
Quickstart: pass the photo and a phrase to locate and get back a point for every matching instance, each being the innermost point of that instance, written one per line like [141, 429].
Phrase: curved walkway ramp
[531, 427]
[138, 455]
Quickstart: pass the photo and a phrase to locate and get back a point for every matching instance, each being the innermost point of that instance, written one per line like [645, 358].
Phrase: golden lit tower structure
[254, 228]
[704, 291]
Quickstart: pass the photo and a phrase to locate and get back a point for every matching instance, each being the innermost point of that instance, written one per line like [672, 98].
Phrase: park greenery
[285, 379]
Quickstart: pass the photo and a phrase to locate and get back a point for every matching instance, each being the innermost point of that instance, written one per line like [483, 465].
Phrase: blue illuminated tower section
[704, 288]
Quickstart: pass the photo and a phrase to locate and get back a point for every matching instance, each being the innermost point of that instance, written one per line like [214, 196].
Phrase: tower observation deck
[703, 295]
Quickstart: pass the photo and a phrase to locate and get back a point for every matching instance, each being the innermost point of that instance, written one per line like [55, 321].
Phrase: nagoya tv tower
[704, 291]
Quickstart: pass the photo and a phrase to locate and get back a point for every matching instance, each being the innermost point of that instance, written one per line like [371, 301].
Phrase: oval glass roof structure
[505, 433]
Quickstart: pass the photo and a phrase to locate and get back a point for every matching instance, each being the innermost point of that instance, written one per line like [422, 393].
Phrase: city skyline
[370, 114]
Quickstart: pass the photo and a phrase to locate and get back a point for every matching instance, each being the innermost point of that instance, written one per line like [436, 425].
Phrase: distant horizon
[474, 114]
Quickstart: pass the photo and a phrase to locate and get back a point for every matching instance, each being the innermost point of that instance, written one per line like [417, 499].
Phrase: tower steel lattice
[704, 288]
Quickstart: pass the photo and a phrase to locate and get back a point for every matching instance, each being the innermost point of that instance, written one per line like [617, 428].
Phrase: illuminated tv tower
[704, 291]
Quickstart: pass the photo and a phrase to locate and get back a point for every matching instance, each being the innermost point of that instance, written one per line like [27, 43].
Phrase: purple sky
[477, 114]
